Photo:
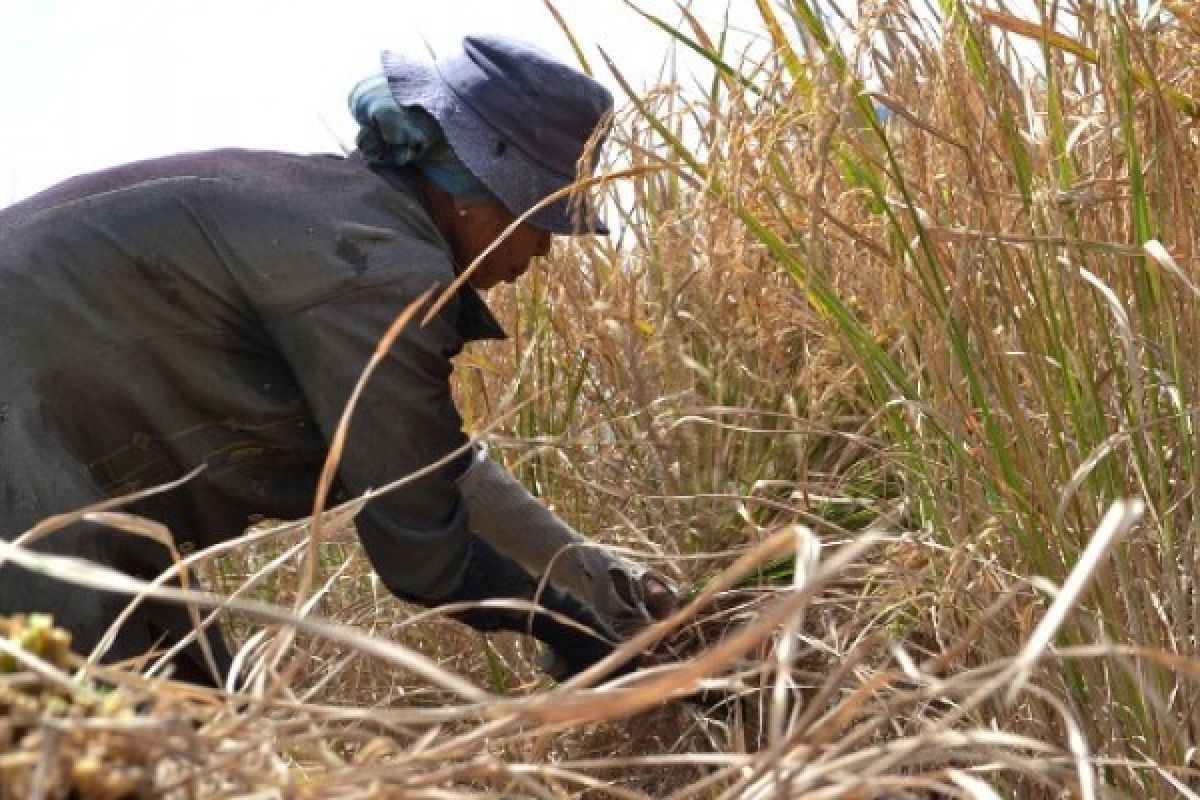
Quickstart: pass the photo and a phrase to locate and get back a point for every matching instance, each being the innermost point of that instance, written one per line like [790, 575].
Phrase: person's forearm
[506, 515]
[578, 641]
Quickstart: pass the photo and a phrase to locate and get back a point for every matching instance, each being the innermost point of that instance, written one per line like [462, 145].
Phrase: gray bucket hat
[517, 118]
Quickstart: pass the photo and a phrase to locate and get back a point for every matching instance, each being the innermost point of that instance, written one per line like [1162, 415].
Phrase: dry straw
[924, 288]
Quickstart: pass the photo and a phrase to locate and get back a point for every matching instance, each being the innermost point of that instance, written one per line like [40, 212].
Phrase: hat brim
[517, 180]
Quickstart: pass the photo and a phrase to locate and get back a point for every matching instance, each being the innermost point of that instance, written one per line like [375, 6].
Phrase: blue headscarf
[410, 136]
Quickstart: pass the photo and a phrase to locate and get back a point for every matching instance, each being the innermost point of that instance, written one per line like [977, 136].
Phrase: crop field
[891, 364]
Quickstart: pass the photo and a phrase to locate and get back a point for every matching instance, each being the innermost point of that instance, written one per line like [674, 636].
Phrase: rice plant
[890, 364]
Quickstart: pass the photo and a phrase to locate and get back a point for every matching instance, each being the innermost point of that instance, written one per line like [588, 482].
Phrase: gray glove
[625, 595]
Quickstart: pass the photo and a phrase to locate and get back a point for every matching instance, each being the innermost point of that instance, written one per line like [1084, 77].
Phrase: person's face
[476, 225]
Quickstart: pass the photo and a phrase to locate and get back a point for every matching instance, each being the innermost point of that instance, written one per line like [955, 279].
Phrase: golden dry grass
[957, 346]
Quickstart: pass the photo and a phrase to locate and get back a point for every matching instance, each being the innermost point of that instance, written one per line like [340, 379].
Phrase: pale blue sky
[89, 83]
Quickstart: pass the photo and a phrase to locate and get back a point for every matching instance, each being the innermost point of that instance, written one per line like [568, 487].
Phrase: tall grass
[943, 266]
[891, 365]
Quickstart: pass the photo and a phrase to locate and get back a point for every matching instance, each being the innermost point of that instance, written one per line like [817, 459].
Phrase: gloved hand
[491, 575]
[570, 650]
[647, 596]
[624, 594]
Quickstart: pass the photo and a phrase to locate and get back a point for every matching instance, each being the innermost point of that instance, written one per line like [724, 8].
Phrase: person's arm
[625, 595]
[418, 537]
[574, 648]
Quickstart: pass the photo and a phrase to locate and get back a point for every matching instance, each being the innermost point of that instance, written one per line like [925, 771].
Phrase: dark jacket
[217, 309]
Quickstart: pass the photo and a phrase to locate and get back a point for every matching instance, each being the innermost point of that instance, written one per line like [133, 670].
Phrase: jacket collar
[475, 320]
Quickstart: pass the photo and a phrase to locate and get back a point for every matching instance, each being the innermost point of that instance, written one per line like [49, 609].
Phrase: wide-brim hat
[521, 121]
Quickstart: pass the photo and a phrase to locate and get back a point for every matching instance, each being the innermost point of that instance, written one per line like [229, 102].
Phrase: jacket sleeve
[416, 536]
[325, 285]
[326, 274]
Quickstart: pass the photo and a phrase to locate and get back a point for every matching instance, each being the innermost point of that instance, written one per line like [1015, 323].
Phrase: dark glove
[491, 575]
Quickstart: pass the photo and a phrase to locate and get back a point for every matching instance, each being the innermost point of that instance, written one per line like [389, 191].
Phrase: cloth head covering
[401, 137]
[519, 120]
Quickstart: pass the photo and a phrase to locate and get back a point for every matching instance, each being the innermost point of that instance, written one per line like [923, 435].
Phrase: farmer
[216, 309]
